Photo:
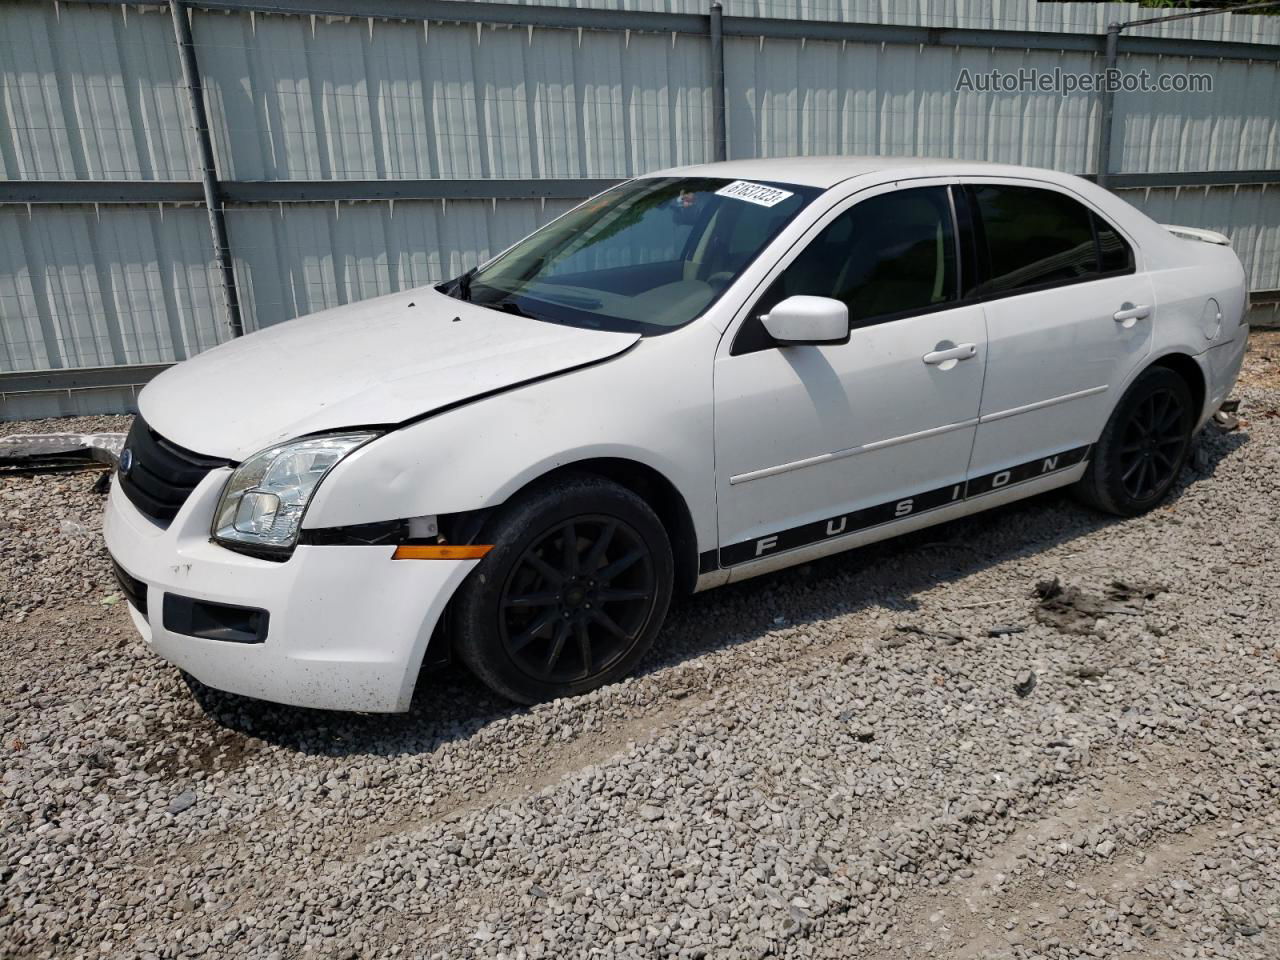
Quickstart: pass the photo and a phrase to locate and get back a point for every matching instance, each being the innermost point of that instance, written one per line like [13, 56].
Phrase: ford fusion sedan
[693, 378]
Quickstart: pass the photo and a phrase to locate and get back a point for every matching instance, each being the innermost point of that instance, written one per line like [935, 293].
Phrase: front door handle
[965, 351]
[1131, 312]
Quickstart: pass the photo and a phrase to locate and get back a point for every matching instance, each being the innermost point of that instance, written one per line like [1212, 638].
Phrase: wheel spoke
[1171, 418]
[1158, 413]
[584, 646]
[610, 596]
[1146, 417]
[1164, 459]
[1133, 467]
[548, 572]
[1142, 477]
[622, 563]
[531, 600]
[524, 639]
[1170, 442]
[1131, 447]
[606, 621]
[569, 545]
[557, 644]
[596, 553]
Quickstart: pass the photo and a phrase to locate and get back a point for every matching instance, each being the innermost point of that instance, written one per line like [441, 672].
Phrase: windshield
[647, 256]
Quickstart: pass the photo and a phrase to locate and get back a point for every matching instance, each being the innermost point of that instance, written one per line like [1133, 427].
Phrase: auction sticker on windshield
[753, 193]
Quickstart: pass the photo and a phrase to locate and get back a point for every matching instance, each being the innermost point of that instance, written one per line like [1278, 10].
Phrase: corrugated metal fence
[360, 146]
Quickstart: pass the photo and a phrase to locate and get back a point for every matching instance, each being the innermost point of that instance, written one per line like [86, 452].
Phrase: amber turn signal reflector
[415, 551]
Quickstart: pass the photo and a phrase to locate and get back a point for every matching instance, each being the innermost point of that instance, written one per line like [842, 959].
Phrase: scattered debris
[1003, 629]
[1025, 683]
[944, 636]
[983, 603]
[650, 813]
[1225, 416]
[1071, 610]
[70, 528]
[1088, 673]
[42, 452]
[183, 801]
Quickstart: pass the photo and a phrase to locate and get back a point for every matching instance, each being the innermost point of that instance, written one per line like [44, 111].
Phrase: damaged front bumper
[333, 627]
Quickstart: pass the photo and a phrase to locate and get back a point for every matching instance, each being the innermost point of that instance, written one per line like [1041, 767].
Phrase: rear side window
[1034, 238]
[1115, 255]
[890, 256]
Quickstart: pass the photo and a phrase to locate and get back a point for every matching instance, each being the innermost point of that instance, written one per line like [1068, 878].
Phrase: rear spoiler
[1195, 233]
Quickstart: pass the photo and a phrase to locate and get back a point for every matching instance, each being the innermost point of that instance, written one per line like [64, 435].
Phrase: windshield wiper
[460, 288]
[510, 306]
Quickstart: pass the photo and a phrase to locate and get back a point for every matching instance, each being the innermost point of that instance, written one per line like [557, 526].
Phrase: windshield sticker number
[754, 193]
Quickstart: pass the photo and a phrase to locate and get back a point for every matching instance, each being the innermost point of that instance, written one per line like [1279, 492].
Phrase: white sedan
[696, 377]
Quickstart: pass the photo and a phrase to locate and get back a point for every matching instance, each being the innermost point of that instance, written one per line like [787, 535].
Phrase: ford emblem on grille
[126, 461]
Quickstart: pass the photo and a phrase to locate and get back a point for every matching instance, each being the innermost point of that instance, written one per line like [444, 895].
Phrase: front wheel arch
[520, 579]
[655, 489]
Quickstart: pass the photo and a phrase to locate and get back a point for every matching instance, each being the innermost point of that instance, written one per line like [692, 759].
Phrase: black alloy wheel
[1138, 458]
[1151, 444]
[578, 599]
[572, 594]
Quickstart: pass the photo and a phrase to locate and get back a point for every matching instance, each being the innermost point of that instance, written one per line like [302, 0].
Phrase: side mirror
[798, 320]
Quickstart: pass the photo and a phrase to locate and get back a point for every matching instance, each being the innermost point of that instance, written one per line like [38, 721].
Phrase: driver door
[819, 443]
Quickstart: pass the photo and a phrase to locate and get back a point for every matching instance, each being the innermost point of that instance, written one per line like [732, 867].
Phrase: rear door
[1068, 318]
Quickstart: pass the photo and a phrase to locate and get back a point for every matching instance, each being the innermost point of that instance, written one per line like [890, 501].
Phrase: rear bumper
[347, 626]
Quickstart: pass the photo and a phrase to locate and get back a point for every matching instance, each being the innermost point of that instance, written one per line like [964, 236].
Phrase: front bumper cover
[349, 626]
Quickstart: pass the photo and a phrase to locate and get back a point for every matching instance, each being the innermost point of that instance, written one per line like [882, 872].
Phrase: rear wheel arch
[1185, 366]
[1136, 460]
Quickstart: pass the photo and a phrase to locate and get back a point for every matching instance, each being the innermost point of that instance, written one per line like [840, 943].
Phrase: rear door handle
[965, 351]
[1130, 312]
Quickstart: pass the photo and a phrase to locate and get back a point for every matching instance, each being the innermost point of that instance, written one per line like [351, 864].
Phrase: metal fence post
[208, 168]
[1106, 117]
[719, 131]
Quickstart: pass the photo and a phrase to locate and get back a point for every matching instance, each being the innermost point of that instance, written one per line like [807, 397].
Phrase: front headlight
[263, 502]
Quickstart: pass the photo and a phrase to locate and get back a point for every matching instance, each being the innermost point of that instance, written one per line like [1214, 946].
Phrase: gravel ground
[906, 751]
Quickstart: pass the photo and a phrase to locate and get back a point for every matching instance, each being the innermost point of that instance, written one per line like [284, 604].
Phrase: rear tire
[1143, 447]
[572, 594]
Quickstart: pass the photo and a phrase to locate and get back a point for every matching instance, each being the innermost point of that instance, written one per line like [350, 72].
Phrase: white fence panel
[91, 93]
[128, 284]
[299, 258]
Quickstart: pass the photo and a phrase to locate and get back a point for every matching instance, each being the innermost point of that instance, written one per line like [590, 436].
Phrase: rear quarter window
[1114, 253]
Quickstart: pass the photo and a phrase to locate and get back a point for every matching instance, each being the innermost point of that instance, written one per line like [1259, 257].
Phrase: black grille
[160, 474]
[134, 590]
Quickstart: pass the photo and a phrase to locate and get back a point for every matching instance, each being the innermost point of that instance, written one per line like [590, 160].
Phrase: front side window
[892, 255]
[647, 256]
[1034, 238]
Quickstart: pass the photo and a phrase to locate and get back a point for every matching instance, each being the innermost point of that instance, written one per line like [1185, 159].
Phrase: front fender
[652, 405]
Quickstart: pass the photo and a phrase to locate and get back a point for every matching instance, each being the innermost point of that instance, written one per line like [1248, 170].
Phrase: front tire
[572, 594]
[1143, 447]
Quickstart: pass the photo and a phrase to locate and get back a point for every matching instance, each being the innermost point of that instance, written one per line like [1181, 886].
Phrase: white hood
[381, 361]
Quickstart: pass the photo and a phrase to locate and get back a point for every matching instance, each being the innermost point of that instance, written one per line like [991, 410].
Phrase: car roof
[828, 171]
